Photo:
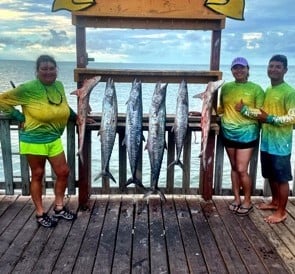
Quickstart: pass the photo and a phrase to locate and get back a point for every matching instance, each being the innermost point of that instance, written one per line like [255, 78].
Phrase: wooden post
[206, 184]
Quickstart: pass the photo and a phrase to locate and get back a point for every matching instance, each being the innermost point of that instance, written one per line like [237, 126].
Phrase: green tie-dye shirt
[235, 126]
[44, 122]
[277, 133]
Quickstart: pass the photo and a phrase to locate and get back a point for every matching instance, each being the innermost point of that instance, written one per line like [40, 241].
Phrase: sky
[29, 28]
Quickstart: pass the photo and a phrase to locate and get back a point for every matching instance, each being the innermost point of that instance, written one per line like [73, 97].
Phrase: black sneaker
[46, 221]
[64, 213]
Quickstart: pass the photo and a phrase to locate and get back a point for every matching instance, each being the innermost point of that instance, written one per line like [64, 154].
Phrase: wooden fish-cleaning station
[120, 232]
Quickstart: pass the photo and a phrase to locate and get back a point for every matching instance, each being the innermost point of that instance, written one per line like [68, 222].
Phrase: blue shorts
[276, 168]
[50, 149]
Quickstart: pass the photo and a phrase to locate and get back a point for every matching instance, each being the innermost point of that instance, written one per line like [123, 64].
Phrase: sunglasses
[56, 100]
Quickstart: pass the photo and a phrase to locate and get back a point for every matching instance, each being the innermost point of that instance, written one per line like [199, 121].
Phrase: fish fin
[134, 181]
[155, 191]
[105, 173]
[79, 153]
[199, 95]
[176, 162]
[124, 142]
[165, 145]
[143, 138]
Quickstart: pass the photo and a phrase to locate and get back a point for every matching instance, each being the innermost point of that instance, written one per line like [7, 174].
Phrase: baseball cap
[239, 61]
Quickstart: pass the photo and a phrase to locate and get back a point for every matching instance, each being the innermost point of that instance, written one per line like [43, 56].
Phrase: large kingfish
[108, 128]
[84, 109]
[133, 131]
[180, 122]
[207, 97]
[156, 136]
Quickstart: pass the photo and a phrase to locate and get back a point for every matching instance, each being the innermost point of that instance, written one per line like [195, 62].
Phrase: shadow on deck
[126, 234]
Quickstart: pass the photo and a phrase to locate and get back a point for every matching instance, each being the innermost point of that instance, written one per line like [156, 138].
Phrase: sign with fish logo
[230, 8]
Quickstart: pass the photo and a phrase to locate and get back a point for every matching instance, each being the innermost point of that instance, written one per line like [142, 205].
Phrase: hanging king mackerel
[108, 128]
[84, 109]
[156, 136]
[133, 131]
[180, 122]
[207, 97]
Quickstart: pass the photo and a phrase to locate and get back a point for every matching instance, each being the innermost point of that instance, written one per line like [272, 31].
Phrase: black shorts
[276, 168]
[233, 144]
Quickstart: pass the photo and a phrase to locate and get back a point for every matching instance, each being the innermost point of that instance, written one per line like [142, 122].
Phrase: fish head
[211, 87]
[87, 86]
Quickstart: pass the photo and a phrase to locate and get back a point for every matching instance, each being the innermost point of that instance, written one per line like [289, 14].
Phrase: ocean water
[21, 71]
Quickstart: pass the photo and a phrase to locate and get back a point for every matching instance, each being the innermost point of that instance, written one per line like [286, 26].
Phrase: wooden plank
[17, 236]
[5, 202]
[122, 252]
[210, 252]
[104, 256]
[68, 253]
[140, 246]
[17, 219]
[273, 237]
[191, 243]
[38, 240]
[11, 212]
[86, 257]
[237, 250]
[51, 250]
[148, 23]
[264, 250]
[158, 252]
[176, 254]
[148, 76]
[150, 9]
[281, 229]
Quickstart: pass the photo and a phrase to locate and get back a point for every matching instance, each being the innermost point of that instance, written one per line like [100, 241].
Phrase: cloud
[29, 26]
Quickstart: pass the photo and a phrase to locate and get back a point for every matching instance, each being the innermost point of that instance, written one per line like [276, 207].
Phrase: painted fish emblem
[108, 128]
[180, 122]
[207, 97]
[84, 109]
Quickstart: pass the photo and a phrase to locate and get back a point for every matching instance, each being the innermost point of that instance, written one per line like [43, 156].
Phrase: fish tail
[135, 181]
[80, 155]
[105, 173]
[155, 191]
[176, 162]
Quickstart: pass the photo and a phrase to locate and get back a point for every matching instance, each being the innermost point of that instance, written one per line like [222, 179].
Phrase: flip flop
[243, 211]
[233, 207]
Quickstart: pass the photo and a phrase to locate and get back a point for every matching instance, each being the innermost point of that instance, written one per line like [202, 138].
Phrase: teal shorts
[50, 149]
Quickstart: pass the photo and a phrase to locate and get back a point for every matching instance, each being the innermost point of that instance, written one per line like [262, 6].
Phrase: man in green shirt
[277, 117]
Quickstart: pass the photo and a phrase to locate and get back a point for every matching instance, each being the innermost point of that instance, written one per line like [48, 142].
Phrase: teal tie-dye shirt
[279, 103]
[44, 121]
[235, 126]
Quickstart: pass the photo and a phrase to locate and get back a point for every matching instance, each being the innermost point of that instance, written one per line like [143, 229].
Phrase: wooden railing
[17, 175]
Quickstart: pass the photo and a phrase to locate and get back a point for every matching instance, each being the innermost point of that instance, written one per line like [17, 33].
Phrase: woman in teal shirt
[240, 134]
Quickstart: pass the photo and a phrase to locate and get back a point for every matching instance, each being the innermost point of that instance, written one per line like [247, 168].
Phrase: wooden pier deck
[127, 234]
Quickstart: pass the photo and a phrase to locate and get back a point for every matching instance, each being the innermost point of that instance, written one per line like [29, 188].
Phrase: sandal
[46, 221]
[64, 213]
[243, 211]
[233, 207]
